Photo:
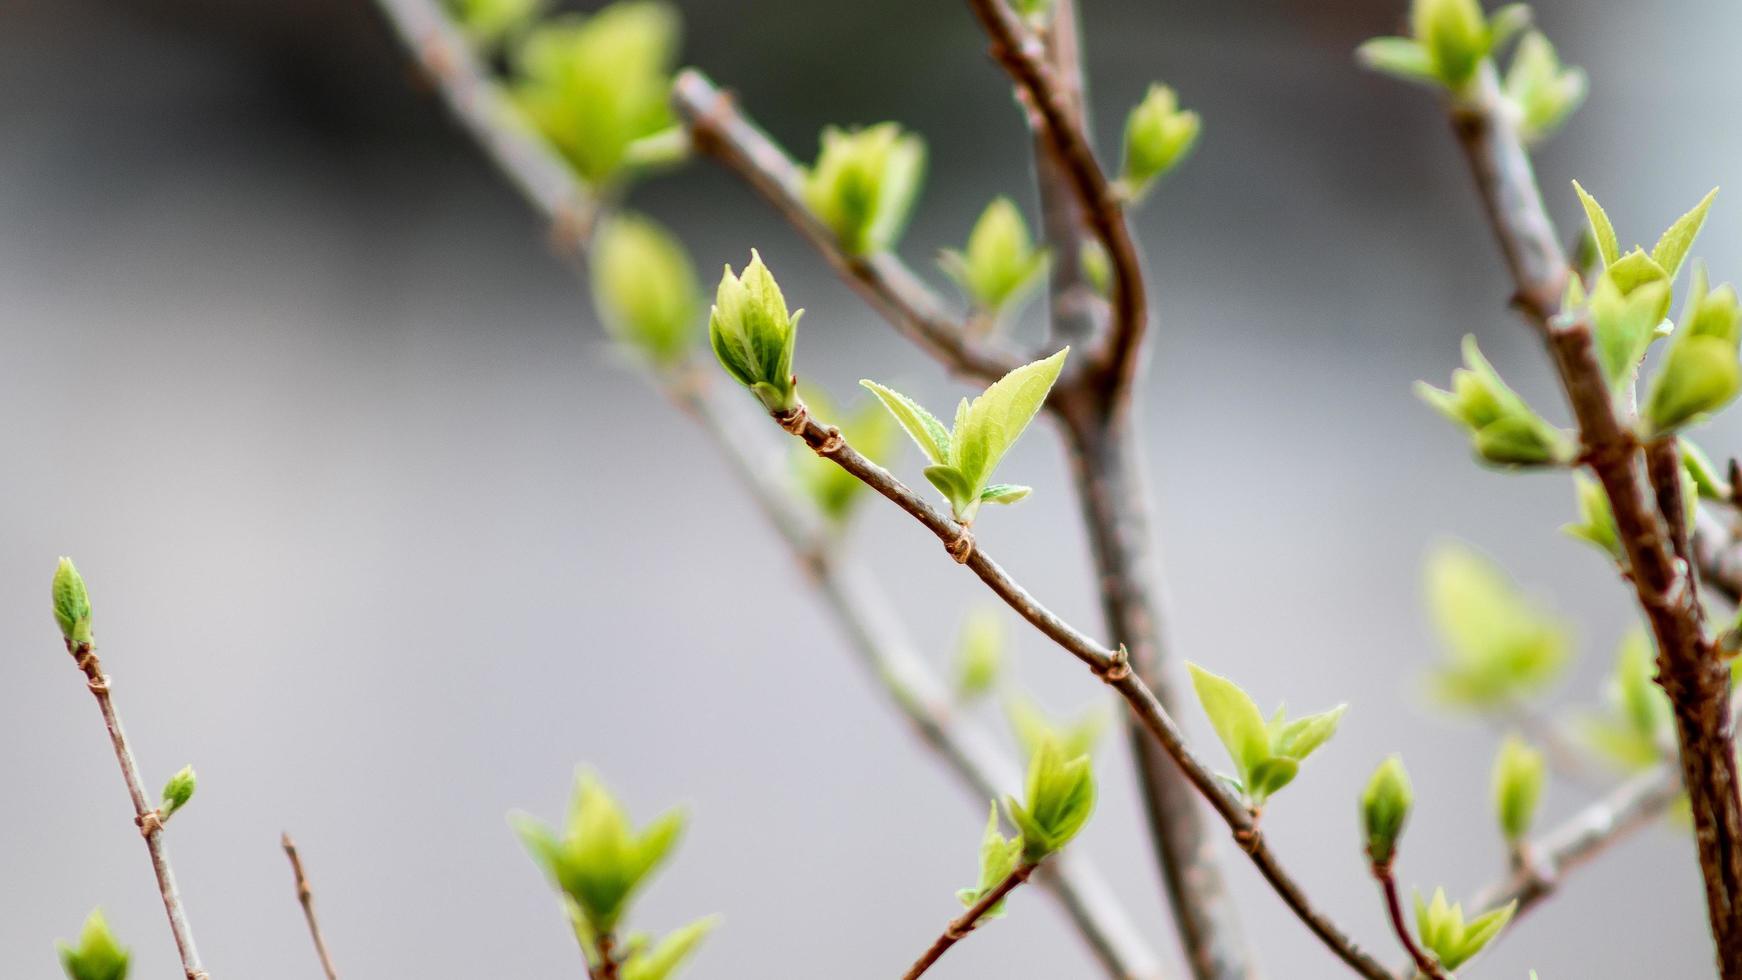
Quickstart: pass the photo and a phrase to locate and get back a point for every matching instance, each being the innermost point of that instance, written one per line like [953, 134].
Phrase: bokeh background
[386, 542]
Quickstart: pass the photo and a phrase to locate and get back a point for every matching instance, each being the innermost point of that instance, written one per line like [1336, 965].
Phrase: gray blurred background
[385, 541]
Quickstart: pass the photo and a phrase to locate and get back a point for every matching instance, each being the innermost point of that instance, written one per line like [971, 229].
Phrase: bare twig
[1718, 554]
[960, 927]
[721, 131]
[305, 896]
[1050, 98]
[1423, 960]
[1112, 666]
[1695, 679]
[149, 821]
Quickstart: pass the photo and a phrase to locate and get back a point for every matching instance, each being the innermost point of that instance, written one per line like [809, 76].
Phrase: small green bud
[1097, 266]
[1001, 264]
[1385, 806]
[595, 85]
[1504, 430]
[1501, 646]
[1060, 798]
[178, 791]
[98, 955]
[979, 653]
[1442, 929]
[72, 605]
[1519, 772]
[998, 858]
[1455, 36]
[644, 288]
[1158, 135]
[1596, 523]
[598, 861]
[1544, 91]
[491, 22]
[661, 960]
[864, 184]
[1624, 319]
[1700, 373]
[752, 334]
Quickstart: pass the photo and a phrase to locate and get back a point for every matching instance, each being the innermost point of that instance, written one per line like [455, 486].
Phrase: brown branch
[721, 131]
[305, 896]
[1112, 666]
[959, 928]
[147, 817]
[1696, 680]
[1114, 365]
[1424, 961]
[608, 967]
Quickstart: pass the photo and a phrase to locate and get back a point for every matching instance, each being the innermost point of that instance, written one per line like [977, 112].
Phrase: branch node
[150, 822]
[1250, 839]
[832, 442]
[961, 547]
[1117, 668]
[99, 684]
[795, 419]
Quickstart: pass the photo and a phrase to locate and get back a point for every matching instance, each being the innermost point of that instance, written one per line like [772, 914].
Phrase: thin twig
[1696, 680]
[1112, 666]
[145, 816]
[719, 130]
[1024, 58]
[607, 969]
[959, 928]
[305, 896]
[1424, 961]
[852, 595]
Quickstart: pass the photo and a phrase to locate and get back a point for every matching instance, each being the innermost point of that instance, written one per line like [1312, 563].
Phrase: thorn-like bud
[644, 288]
[864, 184]
[1504, 430]
[1519, 773]
[98, 955]
[1158, 135]
[1001, 263]
[178, 791]
[752, 334]
[72, 605]
[1385, 806]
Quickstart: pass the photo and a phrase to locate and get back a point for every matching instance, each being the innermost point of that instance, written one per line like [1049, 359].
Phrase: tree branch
[958, 929]
[1077, 310]
[149, 821]
[1112, 666]
[305, 896]
[1024, 58]
[1696, 680]
[721, 131]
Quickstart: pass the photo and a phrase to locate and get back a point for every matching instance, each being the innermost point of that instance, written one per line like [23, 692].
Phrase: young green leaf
[998, 858]
[1707, 482]
[1504, 430]
[662, 961]
[1608, 245]
[1001, 263]
[753, 335]
[98, 955]
[1158, 135]
[1399, 57]
[1544, 92]
[920, 425]
[1442, 929]
[1500, 646]
[864, 184]
[1267, 755]
[1700, 374]
[1060, 799]
[644, 288]
[72, 604]
[1004, 493]
[1672, 247]
[1625, 323]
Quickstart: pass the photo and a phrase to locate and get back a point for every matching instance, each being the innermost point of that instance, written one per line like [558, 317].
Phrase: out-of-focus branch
[1696, 680]
[1718, 554]
[305, 896]
[1112, 666]
[719, 130]
[1078, 311]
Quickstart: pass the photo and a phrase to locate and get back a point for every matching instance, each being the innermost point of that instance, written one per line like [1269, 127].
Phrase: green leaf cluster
[644, 288]
[98, 954]
[1267, 754]
[980, 646]
[1543, 92]
[1060, 797]
[753, 335]
[1519, 774]
[999, 856]
[1500, 646]
[72, 604]
[1449, 41]
[864, 183]
[596, 85]
[1001, 264]
[963, 458]
[1442, 929]
[1385, 806]
[598, 859]
[1635, 726]
[1158, 135]
[1504, 430]
[868, 428]
[1034, 728]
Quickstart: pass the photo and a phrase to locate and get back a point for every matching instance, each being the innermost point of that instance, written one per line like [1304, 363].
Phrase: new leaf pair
[1267, 754]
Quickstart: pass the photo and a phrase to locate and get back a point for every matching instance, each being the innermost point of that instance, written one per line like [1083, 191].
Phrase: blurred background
[385, 541]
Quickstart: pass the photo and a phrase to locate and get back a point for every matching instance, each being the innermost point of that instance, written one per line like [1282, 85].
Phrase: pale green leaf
[1608, 246]
[920, 425]
[1236, 719]
[1672, 248]
[996, 419]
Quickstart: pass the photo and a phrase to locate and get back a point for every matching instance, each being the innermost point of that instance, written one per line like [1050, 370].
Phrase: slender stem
[1424, 961]
[1696, 680]
[145, 815]
[722, 132]
[1049, 97]
[607, 969]
[1663, 464]
[305, 896]
[854, 596]
[959, 928]
[1111, 666]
